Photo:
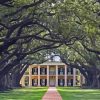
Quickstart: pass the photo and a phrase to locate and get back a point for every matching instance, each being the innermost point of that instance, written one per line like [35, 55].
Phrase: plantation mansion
[51, 74]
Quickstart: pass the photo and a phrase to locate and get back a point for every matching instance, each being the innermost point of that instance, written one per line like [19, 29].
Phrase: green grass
[34, 93]
[74, 93]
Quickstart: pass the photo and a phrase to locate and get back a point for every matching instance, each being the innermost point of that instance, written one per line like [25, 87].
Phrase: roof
[52, 63]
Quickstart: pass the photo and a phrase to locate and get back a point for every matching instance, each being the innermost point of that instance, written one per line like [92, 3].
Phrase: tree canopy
[32, 27]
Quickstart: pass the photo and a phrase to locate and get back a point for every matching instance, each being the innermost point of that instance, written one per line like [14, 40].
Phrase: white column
[65, 75]
[30, 76]
[38, 75]
[56, 75]
[74, 77]
[47, 75]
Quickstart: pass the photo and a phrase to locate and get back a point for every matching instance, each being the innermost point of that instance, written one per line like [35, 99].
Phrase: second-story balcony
[69, 73]
[35, 73]
[52, 73]
[43, 71]
[61, 73]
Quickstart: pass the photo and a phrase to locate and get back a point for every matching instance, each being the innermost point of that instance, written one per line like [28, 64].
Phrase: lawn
[34, 93]
[74, 93]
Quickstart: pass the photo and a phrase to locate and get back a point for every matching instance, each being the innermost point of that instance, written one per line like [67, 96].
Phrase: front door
[52, 81]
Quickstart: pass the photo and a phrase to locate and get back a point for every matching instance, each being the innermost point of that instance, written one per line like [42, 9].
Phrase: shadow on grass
[74, 93]
[34, 93]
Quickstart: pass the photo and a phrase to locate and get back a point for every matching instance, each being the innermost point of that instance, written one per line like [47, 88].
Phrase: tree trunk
[5, 82]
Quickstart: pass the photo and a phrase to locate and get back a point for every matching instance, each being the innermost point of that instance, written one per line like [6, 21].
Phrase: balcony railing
[43, 73]
[52, 72]
[61, 73]
[35, 73]
[69, 73]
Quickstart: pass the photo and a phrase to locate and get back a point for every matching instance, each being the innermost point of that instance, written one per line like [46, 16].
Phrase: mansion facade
[52, 74]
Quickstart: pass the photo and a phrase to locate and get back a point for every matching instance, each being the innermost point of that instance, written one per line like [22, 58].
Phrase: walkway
[52, 94]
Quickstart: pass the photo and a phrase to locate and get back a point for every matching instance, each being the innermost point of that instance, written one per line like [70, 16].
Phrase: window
[34, 82]
[70, 82]
[43, 82]
[34, 71]
[61, 82]
[43, 71]
[70, 71]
